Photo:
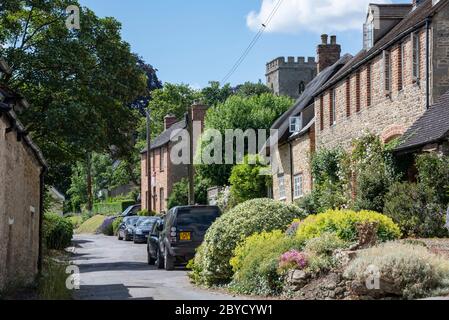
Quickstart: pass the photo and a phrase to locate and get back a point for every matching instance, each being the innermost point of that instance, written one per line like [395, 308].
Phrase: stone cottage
[164, 172]
[22, 169]
[389, 87]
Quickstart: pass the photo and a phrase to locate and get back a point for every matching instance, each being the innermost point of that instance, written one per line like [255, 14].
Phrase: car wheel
[169, 262]
[160, 260]
[127, 236]
[119, 236]
[151, 261]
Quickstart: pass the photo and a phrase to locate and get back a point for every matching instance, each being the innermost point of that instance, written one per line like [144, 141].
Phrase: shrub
[293, 259]
[115, 225]
[57, 232]
[232, 228]
[112, 208]
[256, 263]
[433, 174]
[344, 224]
[146, 213]
[76, 221]
[180, 192]
[412, 270]
[246, 180]
[106, 227]
[320, 252]
[414, 208]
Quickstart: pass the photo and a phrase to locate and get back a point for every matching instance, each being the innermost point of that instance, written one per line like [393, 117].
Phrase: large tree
[80, 83]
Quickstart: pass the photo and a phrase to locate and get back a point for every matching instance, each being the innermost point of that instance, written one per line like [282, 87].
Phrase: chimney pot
[333, 39]
[324, 38]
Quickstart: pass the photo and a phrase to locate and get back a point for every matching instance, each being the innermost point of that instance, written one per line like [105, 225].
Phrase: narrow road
[117, 270]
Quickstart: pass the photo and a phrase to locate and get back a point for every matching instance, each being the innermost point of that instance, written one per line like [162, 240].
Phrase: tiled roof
[307, 97]
[414, 19]
[164, 137]
[433, 126]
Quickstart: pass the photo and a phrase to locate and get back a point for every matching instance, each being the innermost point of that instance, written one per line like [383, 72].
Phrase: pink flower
[293, 259]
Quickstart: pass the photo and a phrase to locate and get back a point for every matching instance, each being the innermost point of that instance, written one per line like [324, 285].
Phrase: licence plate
[185, 236]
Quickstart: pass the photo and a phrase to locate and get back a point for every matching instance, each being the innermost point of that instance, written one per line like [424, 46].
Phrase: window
[302, 87]
[401, 66]
[357, 92]
[281, 182]
[368, 86]
[416, 56]
[295, 124]
[332, 108]
[298, 186]
[348, 97]
[322, 113]
[162, 159]
[387, 72]
[368, 35]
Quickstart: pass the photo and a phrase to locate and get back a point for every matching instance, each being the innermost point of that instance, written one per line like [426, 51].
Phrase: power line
[252, 43]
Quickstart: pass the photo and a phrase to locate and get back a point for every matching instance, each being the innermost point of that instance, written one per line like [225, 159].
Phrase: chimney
[328, 53]
[169, 120]
[198, 113]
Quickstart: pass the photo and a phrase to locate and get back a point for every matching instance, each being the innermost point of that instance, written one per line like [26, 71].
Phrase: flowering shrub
[232, 228]
[293, 259]
[344, 224]
[293, 228]
[256, 263]
[408, 270]
[106, 227]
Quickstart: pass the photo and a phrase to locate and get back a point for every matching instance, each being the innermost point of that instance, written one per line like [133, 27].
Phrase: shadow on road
[107, 292]
[115, 266]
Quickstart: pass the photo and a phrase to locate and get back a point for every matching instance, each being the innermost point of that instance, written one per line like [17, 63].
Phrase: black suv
[180, 233]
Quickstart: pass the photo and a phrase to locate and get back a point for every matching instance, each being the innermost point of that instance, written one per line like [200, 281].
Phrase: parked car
[131, 211]
[181, 232]
[143, 228]
[126, 228]
[153, 254]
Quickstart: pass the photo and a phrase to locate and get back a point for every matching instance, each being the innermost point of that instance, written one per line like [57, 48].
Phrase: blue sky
[196, 41]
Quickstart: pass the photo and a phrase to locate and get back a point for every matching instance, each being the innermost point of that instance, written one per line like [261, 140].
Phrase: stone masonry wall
[440, 61]
[301, 151]
[19, 202]
[387, 116]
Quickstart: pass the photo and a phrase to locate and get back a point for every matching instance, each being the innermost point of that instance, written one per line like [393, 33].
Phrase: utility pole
[190, 165]
[149, 174]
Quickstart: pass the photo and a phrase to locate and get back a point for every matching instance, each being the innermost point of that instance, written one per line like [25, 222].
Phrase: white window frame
[295, 124]
[298, 182]
[281, 187]
[416, 56]
[334, 106]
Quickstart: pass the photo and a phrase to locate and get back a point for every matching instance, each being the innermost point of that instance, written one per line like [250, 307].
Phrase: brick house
[22, 169]
[296, 129]
[385, 89]
[164, 172]
[392, 81]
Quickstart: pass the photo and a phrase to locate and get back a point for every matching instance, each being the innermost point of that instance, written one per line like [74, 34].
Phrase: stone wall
[302, 147]
[440, 59]
[388, 115]
[19, 210]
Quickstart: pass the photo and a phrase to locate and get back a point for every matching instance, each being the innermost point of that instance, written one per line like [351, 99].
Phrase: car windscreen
[145, 222]
[131, 221]
[200, 218]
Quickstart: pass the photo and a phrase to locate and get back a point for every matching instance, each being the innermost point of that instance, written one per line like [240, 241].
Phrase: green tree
[247, 182]
[214, 94]
[173, 99]
[240, 112]
[249, 89]
[180, 192]
[79, 83]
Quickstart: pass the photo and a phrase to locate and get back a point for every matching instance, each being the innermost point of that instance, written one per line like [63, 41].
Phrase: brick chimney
[328, 53]
[169, 120]
[198, 112]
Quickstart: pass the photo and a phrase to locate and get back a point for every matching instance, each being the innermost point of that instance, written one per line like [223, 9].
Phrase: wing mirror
[160, 227]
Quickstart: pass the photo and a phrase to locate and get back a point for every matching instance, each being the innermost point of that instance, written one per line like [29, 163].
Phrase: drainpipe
[428, 21]
[291, 171]
[41, 218]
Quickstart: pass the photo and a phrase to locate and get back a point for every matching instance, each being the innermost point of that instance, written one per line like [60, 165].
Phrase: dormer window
[368, 35]
[295, 124]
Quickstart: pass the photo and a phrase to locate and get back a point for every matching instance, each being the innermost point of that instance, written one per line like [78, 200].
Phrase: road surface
[118, 270]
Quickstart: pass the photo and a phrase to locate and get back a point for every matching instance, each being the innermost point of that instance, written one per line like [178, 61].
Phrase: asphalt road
[117, 270]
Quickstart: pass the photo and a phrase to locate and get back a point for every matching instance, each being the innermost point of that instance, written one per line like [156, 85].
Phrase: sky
[197, 41]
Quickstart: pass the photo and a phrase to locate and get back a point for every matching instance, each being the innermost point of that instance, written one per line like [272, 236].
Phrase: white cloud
[311, 15]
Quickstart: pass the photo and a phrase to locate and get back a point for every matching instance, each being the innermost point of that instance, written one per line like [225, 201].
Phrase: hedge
[108, 208]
